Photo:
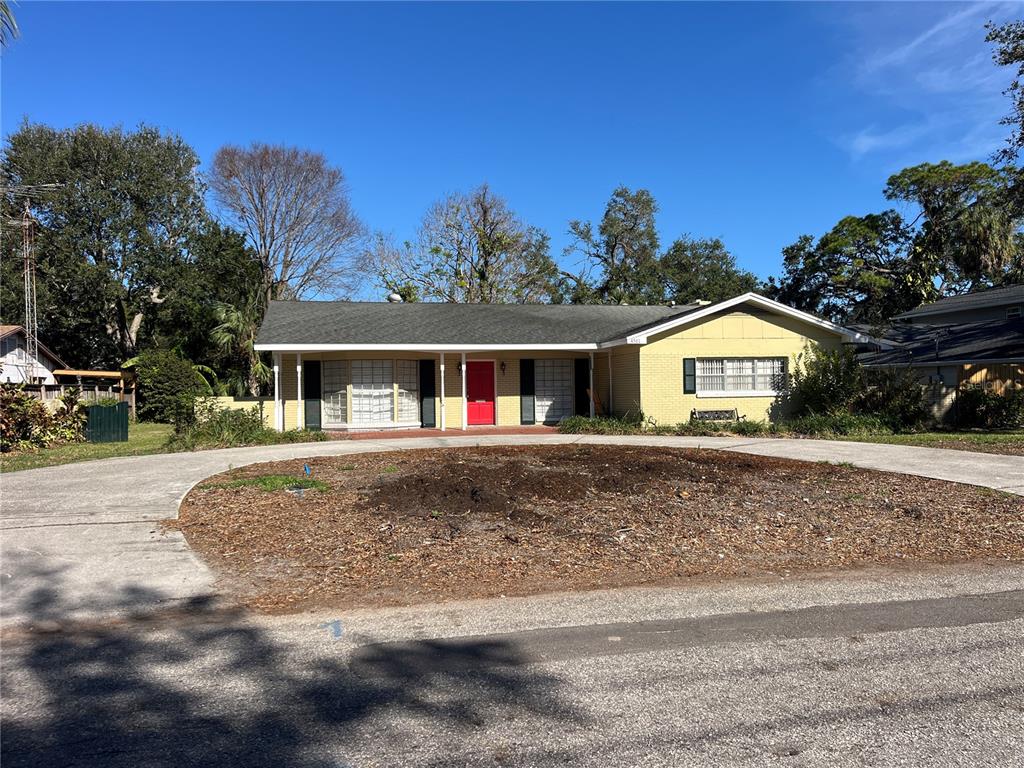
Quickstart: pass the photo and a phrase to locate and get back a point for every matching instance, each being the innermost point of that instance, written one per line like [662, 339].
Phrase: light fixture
[458, 368]
[502, 367]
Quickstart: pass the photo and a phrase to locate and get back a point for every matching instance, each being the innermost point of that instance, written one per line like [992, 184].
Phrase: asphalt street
[117, 651]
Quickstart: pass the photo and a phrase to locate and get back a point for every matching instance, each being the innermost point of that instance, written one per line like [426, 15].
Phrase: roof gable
[752, 299]
[11, 330]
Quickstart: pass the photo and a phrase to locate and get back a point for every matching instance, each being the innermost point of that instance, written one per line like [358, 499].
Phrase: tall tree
[112, 235]
[1009, 52]
[968, 222]
[222, 285]
[703, 269]
[860, 271]
[471, 248]
[295, 209]
[965, 234]
[621, 253]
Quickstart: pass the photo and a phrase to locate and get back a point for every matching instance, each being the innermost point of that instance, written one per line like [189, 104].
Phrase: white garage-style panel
[553, 388]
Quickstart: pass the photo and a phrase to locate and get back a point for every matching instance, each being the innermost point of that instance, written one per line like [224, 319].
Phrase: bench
[715, 415]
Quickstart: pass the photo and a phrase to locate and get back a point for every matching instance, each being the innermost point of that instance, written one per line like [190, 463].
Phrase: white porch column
[300, 411]
[591, 385]
[611, 392]
[441, 355]
[277, 391]
[465, 410]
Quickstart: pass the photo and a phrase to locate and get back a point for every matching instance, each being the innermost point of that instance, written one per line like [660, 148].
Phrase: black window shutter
[526, 392]
[428, 416]
[689, 375]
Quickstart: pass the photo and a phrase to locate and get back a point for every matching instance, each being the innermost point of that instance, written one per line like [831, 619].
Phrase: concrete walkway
[74, 536]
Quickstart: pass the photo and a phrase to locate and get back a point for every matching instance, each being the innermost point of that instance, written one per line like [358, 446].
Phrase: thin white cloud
[936, 92]
[871, 139]
[953, 22]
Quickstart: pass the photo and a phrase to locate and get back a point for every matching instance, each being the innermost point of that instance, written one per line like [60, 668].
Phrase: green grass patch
[273, 483]
[143, 439]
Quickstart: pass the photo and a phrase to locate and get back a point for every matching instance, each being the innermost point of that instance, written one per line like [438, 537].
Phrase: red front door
[479, 392]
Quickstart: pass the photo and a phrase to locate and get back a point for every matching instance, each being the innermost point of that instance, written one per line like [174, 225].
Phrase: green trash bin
[106, 423]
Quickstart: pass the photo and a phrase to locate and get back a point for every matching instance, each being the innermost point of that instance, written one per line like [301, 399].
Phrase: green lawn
[1011, 443]
[142, 439]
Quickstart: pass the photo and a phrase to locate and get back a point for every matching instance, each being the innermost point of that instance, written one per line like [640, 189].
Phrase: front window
[731, 376]
[373, 393]
[408, 390]
[335, 394]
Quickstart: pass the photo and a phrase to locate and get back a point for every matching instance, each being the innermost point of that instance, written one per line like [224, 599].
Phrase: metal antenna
[28, 252]
[31, 317]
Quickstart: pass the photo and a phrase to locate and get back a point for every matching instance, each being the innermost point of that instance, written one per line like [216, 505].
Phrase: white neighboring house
[17, 367]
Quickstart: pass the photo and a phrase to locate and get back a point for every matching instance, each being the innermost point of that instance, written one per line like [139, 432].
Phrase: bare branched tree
[471, 249]
[295, 211]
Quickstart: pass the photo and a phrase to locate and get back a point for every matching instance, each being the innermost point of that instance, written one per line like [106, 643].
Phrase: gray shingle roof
[992, 297]
[988, 340]
[351, 322]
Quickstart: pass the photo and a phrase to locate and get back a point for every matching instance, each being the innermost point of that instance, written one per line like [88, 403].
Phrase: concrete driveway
[130, 661]
[85, 532]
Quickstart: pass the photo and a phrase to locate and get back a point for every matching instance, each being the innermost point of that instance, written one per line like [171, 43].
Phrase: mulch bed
[415, 526]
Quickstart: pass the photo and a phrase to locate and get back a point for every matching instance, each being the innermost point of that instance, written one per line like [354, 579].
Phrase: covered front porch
[377, 390]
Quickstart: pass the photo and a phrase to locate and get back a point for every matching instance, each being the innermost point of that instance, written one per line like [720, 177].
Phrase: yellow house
[375, 365]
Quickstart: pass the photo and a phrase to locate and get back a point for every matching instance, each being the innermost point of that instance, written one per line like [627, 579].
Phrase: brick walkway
[393, 434]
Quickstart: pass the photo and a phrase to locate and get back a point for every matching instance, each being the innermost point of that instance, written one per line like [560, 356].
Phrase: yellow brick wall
[625, 394]
[248, 404]
[736, 334]
[289, 388]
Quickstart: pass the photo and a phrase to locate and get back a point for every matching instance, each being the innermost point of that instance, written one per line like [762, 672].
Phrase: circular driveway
[78, 534]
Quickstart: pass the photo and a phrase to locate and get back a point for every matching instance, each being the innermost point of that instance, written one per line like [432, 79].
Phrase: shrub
[168, 385]
[834, 383]
[26, 424]
[606, 425]
[599, 425]
[896, 397]
[826, 381]
[211, 427]
[981, 408]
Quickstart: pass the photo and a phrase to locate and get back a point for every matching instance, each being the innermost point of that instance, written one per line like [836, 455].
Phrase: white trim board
[449, 348]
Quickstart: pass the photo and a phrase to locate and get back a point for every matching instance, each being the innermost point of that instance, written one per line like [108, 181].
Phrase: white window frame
[373, 393]
[544, 375]
[407, 377]
[334, 399]
[725, 368]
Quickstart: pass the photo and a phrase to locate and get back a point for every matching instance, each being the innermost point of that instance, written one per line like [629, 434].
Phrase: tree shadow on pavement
[204, 684]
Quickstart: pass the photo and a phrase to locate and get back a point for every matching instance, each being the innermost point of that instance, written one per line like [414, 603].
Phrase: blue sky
[750, 122]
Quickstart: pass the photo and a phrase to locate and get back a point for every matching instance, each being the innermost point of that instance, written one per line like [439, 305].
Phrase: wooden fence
[995, 378]
[51, 393]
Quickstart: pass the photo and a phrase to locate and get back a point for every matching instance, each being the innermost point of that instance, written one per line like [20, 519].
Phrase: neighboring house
[17, 367]
[48, 379]
[361, 365]
[991, 304]
[974, 340]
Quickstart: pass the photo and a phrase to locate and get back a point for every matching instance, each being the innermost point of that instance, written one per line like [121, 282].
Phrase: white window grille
[373, 392]
[335, 396]
[408, 390]
[741, 376]
[552, 390]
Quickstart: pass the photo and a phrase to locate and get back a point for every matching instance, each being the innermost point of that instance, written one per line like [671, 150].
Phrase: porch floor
[394, 434]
